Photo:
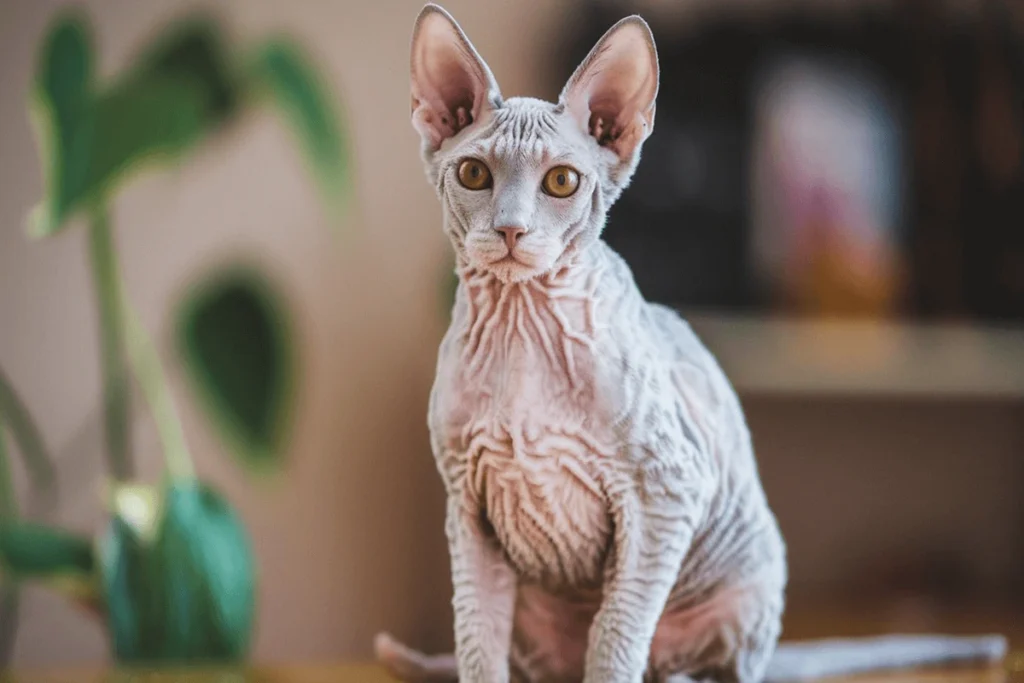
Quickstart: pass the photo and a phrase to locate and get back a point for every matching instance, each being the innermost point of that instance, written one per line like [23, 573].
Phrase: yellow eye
[473, 174]
[561, 181]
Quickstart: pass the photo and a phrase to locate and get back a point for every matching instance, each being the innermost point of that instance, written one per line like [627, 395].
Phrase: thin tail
[410, 666]
[793, 661]
[798, 661]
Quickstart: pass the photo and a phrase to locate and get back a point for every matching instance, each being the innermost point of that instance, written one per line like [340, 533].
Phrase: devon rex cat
[605, 517]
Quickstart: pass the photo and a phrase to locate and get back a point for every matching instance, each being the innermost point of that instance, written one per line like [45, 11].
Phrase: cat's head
[526, 184]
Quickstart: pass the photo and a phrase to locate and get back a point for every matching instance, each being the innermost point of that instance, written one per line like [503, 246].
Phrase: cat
[605, 517]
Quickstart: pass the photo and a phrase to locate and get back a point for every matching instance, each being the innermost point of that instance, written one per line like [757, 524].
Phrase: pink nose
[511, 233]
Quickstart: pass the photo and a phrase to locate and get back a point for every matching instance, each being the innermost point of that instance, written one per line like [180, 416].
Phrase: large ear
[612, 92]
[452, 87]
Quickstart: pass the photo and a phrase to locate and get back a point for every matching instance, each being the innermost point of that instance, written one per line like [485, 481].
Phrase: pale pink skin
[605, 519]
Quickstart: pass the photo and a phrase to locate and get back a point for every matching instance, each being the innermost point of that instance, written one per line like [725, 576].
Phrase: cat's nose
[511, 233]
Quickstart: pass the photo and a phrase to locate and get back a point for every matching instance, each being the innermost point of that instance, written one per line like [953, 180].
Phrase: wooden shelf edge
[780, 356]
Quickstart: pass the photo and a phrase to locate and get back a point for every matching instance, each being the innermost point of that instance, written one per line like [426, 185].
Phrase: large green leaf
[143, 122]
[179, 89]
[177, 92]
[33, 551]
[66, 67]
[61, 107]
[236, 343]
[281, 71]
[186, 592]
[59, 560]
[192, 50]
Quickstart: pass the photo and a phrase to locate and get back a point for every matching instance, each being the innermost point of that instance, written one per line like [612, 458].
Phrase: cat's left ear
[452, 86]
[612, 93]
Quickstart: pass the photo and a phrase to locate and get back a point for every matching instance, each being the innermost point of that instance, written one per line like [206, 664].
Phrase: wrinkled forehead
[526, 132]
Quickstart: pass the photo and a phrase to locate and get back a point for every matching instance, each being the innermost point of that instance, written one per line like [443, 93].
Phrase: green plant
[172, 576]
[16, 421]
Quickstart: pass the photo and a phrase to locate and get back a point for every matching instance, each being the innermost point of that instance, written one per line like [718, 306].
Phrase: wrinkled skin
[605, 518]
[603, 492]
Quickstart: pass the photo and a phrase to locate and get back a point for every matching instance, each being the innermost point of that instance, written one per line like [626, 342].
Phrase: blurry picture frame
[826, 188]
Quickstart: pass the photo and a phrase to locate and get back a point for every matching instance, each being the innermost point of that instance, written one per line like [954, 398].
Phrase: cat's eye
[561, 181]
[474, 175]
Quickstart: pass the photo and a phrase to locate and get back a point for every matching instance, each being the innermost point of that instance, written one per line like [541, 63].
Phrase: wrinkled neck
[551, 319]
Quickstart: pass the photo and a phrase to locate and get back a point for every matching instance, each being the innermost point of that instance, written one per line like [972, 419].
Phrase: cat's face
[526, 184]
[522, 190]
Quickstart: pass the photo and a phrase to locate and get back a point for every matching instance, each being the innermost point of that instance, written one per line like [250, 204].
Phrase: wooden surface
[371, 674]
[806, 617]
[353, 673]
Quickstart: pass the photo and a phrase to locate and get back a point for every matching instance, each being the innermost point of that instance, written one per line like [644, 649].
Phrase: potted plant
[172, 576]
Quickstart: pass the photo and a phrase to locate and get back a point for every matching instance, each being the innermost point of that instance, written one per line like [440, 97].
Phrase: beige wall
[351, 541]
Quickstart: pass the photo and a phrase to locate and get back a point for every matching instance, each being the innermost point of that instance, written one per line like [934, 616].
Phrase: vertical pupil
[560, 179]
[474, 171]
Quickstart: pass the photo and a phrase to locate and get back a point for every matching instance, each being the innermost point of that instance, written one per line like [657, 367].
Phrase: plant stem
[8, 590]
[23, 428]
[8, 504]
[114, 364]
[149, 373]
[10, 610]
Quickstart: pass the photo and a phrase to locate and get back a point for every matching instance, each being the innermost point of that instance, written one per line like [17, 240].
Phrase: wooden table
[371, 674]
[805, 618]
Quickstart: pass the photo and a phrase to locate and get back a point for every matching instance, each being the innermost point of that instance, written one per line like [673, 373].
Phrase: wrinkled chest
[535, 468]
[547, 511]
[523, 427]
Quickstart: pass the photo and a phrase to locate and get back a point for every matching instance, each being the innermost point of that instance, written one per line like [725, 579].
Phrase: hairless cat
[605, 518]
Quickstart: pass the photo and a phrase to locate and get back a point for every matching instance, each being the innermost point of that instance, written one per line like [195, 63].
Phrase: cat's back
[740, 541]
[665, 359]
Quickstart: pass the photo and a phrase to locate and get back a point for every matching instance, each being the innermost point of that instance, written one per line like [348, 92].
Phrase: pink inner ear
[613, 92]
[457, 89]
[449, 82]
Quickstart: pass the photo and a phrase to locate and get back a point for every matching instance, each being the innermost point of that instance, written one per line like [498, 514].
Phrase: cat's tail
[793, 661]
[799, 661]
[410, 666]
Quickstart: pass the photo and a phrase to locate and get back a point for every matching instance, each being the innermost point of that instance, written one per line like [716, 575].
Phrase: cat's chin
[510, 270]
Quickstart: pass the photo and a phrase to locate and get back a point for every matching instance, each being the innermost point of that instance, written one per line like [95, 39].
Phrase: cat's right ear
[452, 87]
[612, 94]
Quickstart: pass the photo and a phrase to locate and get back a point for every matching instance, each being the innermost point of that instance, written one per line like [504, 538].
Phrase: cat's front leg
[650, 545]
[484, 596]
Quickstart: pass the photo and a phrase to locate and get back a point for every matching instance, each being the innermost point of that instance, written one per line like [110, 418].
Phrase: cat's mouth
[512, 267]
[513, 256]
[516, 264]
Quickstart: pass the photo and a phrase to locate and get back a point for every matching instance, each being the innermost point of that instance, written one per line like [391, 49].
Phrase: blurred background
[833, 194]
